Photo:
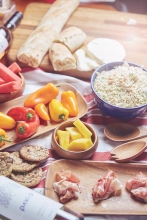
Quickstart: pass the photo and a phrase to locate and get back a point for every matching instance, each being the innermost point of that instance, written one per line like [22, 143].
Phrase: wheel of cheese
[106, 50]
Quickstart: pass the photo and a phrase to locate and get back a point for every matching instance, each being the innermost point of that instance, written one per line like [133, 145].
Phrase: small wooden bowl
[9, 96]
[75, 155]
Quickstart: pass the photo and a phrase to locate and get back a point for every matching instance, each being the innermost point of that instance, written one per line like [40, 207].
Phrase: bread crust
[40, 40]
[61, 57]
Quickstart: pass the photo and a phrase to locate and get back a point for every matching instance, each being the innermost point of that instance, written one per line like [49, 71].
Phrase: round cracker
[6, 163]
[21, 165]
[34, 153]
[29, 179]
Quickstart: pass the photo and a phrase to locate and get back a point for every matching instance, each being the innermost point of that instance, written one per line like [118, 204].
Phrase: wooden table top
[104, 22]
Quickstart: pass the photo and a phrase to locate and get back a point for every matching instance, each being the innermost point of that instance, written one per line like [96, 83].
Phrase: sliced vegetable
[25, 130]
[15, 68]
[80, 144]
[43, 95]
[63, 138]
[22, 114]
[57, 112]
[82, 128]
[74, 133]
[7, 75]
[69, 101]
[10, 87]
[6, 122]
[41, 110]
[3, 137]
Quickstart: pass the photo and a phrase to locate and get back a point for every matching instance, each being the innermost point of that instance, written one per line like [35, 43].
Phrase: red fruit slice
[10, 87]
[7, 75]
[15, 68]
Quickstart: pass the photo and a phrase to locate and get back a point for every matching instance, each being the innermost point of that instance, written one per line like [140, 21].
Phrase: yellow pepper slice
[3, 137]
[69, 101]
[57, 112]
[6, 122]
[41, 111]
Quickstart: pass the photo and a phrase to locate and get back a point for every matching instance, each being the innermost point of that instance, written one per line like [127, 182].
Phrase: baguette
[38, 43]
[61, 57]
[71, 37]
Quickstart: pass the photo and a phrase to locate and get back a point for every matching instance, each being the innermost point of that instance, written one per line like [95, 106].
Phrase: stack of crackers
[23, 166]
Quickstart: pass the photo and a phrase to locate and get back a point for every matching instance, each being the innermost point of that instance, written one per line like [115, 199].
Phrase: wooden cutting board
[127, 28]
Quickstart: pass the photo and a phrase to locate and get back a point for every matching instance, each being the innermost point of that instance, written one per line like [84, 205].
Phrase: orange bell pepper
[43, 95]
[69, 101]
[41, 111]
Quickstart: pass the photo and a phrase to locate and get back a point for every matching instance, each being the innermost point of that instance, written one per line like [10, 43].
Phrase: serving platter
[89, 172]
[44, 126]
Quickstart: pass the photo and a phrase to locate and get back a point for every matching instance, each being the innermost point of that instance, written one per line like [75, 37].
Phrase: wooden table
[21, 6]
[127, 28]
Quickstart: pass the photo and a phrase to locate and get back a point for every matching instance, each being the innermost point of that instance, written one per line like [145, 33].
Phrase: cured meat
[106, 186]
[66, 190]
[138, 186]
[140, 193]
[67, 185]
[67, 175]
[140, 180]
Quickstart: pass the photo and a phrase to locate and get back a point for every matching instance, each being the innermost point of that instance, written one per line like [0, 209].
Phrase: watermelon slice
[7, 75]
[10, 87]
[15, 68]
[1, 81]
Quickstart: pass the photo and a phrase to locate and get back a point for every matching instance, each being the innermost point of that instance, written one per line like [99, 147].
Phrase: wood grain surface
[96, 24]
[89, 172]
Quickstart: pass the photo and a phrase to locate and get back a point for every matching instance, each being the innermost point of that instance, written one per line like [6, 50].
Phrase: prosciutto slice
[138, 186]
[140, 180]
[67, 185]
[106, 186]
[66, 190]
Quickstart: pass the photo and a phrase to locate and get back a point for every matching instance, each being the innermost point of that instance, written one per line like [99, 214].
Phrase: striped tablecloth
[38, 78]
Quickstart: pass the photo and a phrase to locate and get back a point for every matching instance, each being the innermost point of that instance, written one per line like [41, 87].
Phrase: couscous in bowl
[114, 110]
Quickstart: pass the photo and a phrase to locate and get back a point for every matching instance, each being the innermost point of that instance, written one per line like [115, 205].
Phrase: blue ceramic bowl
[111, 110]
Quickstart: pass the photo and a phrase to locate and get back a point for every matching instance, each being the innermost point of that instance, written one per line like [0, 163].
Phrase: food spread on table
[30, 116]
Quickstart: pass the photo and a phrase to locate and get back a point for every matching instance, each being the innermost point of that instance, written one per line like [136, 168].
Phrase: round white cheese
[106, 50]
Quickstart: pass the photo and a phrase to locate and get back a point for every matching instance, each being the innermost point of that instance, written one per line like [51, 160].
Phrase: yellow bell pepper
[6, 122]
[69, 101]
[57, 112]
[3, 137]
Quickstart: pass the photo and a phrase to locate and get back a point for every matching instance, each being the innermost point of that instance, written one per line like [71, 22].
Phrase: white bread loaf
[38, 43]
[71, 37]
[61, 57]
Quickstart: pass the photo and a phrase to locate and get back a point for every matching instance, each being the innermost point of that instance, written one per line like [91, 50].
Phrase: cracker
[34, 153]
[29, 179]
[21, 165]
[6, 163]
